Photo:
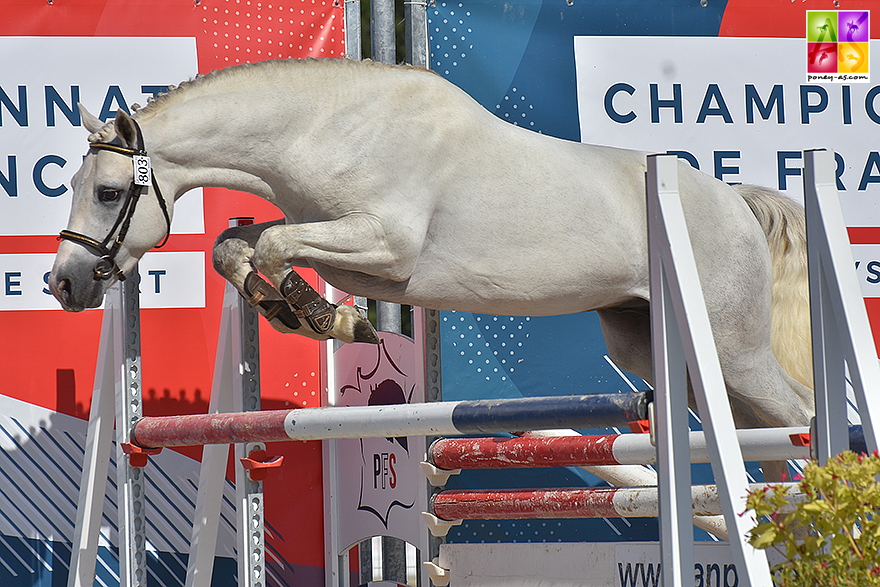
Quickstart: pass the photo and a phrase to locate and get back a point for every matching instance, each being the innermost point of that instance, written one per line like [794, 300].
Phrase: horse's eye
[109, 195]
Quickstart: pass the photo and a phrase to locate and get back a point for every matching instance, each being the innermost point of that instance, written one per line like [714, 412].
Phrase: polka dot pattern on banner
[451, 41]
[245, 31]
[304, 389]
[449, 36]
[514, 108]
[527, 531]
[490, 342]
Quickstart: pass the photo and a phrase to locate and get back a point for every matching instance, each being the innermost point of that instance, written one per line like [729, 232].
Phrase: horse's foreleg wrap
[270, 301]
[307, 304]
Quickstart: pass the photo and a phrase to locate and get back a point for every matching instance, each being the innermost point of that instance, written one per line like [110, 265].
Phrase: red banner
[47, 357]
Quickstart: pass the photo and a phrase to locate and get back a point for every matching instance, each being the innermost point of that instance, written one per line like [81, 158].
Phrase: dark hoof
[364, 332]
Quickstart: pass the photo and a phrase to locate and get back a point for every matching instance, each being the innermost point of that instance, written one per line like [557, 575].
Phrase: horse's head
[117, 215]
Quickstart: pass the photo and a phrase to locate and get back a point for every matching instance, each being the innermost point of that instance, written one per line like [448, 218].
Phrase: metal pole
[248, 491]
[353, 30]
[382, 38]
[840, 320]
[96, 457]
[670, 393]
[129, 407]
[384, 50]
[415, 14]
[668, 236]
[388, 317]
[212, 473]
[433, 393]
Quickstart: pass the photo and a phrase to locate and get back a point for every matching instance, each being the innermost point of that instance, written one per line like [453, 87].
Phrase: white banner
[739, 109]
[168, 280]
[43, 141]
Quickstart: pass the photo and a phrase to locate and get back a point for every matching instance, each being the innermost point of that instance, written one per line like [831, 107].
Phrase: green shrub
[831, 538]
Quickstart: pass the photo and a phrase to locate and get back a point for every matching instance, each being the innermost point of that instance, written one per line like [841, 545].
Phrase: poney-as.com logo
[837, 45]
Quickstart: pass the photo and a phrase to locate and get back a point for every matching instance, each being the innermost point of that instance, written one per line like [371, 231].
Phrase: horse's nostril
[63, 291]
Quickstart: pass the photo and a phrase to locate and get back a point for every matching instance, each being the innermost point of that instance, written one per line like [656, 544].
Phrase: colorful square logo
[837, 45]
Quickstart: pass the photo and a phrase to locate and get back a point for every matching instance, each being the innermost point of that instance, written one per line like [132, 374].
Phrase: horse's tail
[784, 225]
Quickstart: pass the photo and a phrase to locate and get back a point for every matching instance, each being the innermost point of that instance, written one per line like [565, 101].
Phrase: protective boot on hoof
[307, 304]
[274, 307]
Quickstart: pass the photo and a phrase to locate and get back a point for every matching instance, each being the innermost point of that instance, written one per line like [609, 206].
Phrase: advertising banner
[375, 486]
[729, 86]
[111, 55]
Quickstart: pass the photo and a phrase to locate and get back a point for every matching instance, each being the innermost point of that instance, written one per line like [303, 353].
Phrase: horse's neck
[209, 147]
[240, 139]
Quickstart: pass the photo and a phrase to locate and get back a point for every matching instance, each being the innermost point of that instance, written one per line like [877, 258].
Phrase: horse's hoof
[364, 332]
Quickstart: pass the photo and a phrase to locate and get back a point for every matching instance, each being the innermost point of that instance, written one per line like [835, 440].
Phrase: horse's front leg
[357, 252]
[233, 259]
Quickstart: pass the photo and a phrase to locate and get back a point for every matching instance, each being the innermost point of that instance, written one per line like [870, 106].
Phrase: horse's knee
[230, 255]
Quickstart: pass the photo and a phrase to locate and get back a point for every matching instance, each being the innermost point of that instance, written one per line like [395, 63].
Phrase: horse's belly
[546, 284]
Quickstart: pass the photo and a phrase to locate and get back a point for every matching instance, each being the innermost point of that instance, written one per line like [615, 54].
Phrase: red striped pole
[201, 429]
[603, 449]
[603, 502]
[523, 452]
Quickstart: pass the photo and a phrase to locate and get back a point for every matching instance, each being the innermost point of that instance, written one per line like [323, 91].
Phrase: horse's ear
[92, 123]
[125, 129]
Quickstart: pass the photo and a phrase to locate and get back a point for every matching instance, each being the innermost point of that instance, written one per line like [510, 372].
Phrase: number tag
[143, 170]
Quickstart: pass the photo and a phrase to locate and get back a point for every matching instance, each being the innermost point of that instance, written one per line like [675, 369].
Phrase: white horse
[397, 185]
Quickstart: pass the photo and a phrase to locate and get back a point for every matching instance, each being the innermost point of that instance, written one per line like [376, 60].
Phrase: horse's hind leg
[627, 334]
[232, 256]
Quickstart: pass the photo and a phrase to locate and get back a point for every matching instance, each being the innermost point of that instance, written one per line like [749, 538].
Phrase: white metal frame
[236, 387]
[682, 335]
[116, 399]
[841, 330]
[117, 383]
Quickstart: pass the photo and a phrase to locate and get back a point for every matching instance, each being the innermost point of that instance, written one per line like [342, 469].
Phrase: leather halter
[106, 266]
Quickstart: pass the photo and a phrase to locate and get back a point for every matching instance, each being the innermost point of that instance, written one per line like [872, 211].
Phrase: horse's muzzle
[73, 298]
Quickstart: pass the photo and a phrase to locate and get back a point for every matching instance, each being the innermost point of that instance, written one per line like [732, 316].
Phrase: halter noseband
[106, 266]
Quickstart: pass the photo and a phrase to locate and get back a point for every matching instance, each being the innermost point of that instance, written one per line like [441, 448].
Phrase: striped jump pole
[604, 449]
[431, 419]
[761, 444]
[604, 502]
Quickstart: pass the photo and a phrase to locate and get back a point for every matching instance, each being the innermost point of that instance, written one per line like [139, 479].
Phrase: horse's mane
[254, 72]
[248, 73]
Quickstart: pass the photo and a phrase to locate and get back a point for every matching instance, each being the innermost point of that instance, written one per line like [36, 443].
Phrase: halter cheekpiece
[142, 176]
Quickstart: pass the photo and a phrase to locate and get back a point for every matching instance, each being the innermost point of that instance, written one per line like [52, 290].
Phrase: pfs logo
[837, 45]
[383, 459]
